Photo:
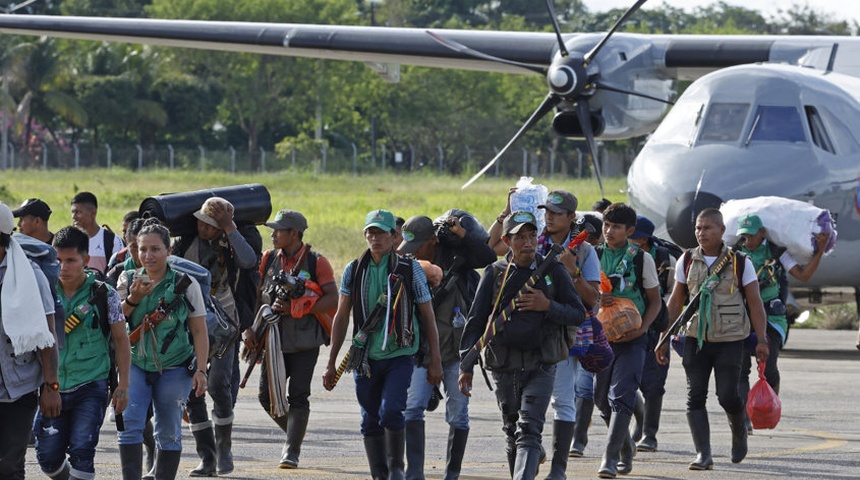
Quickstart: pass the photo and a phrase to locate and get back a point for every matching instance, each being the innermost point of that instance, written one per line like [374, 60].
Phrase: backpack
[248, 279]
[473, 227]
[661, 322]
[109, 238]
[45, 257]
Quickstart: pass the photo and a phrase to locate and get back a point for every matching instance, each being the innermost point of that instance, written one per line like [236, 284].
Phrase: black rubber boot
[527, 462]
[283, 422]
[651, 423]
[584, 410]
[739, 435]
[701, 431]
[744, 391]
[167, 464]
[150, 474]
[457, 440]
[625, 460]
[62, 473]
[149, 444]
[224, 447]
[376, 458]
[619, 433]
[131, 458]
[414, 450]
[296, 430]
[562, 435]
[638, 416]
[395, 449]
[204, 437]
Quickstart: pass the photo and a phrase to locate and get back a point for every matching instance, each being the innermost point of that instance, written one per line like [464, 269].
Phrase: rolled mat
[252, 205]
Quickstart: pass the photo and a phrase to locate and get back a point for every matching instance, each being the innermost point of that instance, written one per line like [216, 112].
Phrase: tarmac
[817, 437]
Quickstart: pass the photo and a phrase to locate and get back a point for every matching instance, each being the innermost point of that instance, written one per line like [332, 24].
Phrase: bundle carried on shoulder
[620, 317]
[788, 223]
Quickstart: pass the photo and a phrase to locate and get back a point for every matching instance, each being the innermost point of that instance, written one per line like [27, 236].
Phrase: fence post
[384, 161]
[411, 158]
[232, 159]
[172, 155]
[468, 158]
[109, 156]
[579, 163]
[202, 157]
[44, 155]
[441, 158]
[77, 156]
[262, 159]
[11, 150]
[293, 151]
[551, 162]
[354, 160]
[525, 162]
[496, 166]
[324, 152]
[139, 157]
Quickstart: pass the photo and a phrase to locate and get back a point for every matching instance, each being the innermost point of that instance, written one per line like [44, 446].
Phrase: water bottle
[528, 197]
[459, 321]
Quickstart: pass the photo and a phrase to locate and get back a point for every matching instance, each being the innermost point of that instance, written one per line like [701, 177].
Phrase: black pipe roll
[252, 205]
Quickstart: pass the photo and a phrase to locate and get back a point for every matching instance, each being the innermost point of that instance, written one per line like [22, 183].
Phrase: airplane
[713, 145]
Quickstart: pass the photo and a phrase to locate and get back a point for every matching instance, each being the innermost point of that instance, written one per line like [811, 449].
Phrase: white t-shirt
[98, 259]
[749, 270]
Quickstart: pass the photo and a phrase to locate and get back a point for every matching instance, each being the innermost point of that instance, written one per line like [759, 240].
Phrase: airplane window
[842, 138]
[777, 124]
[819, 133]
[724, 122]
[680, 124]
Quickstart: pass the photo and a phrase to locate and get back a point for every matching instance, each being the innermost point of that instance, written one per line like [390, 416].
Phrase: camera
[287, 286]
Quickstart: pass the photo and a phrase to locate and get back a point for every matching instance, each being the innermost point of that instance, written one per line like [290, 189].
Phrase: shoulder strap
[108, 240]
[312, 265]
[638, 268]
[688, 260]
[99, 299]
[599, 250]
[266, 261]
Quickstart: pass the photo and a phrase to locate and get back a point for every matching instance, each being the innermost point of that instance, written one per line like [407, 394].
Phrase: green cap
[382, 219]
[749, 224]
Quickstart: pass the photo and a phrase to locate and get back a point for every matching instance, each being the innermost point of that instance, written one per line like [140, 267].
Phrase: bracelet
[130, 303]
[762, 340]
[203, 372]
[501, 218]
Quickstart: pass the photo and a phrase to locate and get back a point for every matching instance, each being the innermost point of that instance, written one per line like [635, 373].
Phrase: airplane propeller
[568, 79]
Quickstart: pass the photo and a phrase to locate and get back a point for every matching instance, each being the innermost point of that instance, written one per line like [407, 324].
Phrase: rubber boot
[395, 447]
[562, 435]
[638, 416]
[619, 433]
[526, 463]
[296, 430]
[414, 449]
[62, 473]
[584, 410]
[739, 435]
[701, 431]
[456, 449]
[167, 464]
[131, 458]
[625, 460]
[375, 449]
[224, 445]
[149, 444]
[283, 422]
[150, 474]
[651, 423]
[204, 437]
[744, 391]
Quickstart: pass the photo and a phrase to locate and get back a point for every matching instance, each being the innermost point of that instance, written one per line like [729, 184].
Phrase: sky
[841, 9]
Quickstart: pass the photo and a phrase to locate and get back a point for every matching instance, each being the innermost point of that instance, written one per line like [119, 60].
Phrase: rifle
[150, 320]
[693, 306]
[261, 333]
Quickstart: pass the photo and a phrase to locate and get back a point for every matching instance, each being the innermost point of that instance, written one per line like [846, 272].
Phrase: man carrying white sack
[28, 352]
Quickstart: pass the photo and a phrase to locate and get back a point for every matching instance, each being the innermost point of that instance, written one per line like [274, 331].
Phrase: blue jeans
[456, 404]
[220, 388]
[653, 374]
[167, 392]
[615, 388]
[572, 381]
[523, 398]
[75, 431]
[382, 397]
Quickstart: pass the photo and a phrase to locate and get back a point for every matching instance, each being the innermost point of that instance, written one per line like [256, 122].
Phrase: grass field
[334, 205]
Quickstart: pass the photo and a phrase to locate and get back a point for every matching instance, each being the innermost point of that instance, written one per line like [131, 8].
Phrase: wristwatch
[55, 386]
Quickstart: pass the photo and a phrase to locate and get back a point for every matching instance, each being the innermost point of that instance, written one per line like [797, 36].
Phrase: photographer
[300, 336]
[447, 246]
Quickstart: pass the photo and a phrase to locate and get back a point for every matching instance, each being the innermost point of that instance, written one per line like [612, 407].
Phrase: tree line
[63, 92]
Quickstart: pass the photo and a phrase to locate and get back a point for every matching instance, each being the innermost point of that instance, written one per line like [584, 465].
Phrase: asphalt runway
[818, 436]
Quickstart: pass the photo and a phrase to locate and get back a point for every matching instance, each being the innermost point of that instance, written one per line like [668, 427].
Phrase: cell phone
[120, 422]
[144, 278]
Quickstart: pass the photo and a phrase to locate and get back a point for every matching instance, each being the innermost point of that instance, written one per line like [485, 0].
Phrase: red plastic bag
[763, 405]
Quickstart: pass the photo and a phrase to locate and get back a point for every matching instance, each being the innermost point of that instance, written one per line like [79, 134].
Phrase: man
[122, 254]
[385, 347]
[649, 405]
[716, 333]
[300, 335]
[634, 277]
[221, 249]
[771, 262]
[523, 355]
[95, 318]
[458, 262]
[28, 353]
[103, 243]
[33, 217]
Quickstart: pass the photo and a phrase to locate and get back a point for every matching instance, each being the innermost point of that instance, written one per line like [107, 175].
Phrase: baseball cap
[560, 201]
[7, 220]
[289, 220]
[206, 210]
[644, 228]
[416, 231]
[382, 219]
[34, 207]
[515, 221]
[749, 224]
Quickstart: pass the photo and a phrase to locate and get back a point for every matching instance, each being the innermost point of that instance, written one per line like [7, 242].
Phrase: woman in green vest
[169, 357]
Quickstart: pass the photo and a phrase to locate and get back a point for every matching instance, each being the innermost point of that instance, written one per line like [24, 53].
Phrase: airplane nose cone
[681, 216]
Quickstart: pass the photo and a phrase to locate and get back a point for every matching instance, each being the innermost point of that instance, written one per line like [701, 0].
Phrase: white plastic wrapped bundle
[527, 198]
[790, 223]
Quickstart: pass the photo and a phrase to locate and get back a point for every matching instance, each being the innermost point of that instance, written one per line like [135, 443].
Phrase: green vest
[768, 282]
[611, 262]
[153, 353]
[85, 357]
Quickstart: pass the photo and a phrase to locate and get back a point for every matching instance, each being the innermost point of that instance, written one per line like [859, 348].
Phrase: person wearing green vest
[771, 263]
[84, 365]
[168, 360]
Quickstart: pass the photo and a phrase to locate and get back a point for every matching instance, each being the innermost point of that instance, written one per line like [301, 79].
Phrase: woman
[168, 360]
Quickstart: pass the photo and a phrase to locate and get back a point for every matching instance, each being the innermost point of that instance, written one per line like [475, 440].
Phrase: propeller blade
[584, 114]
[460, 48]
[545, 107]
[604, 85]
[593, 53]
[561, 48]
